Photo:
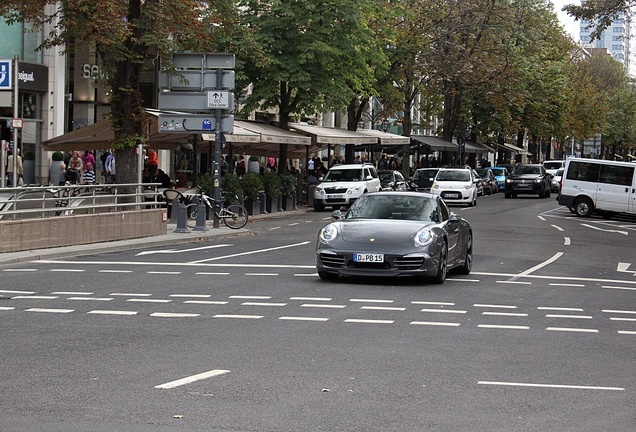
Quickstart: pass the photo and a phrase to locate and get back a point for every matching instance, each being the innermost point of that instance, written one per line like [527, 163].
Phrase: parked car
[422, 179]
[479, 183]
[489, 180]
[501, 174]
[343, 184]
[556, 180]
[552, 166]
[392, 180]
[528, 179]
[456, 185]
[395, 234]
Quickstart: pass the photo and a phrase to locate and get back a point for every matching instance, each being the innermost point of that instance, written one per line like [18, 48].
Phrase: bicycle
[234, 216]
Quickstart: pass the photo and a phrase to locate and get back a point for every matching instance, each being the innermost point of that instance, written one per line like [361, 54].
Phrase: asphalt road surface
[239, 334]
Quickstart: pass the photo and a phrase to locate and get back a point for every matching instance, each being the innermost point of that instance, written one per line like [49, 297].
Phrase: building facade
[616, 38]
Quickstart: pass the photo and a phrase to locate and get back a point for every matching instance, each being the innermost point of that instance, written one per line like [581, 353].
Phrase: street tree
[599, 13]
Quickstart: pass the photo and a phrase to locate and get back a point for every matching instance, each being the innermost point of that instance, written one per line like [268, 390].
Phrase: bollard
[279, 201]
[182, 219]
[201, 213]
[174, 210]
[263, 206]
[294, 201]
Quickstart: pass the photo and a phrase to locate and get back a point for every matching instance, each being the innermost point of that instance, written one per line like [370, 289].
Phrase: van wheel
[583, 207]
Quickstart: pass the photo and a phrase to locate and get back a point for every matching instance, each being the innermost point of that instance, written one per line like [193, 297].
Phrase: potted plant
[56, 172]
[231, 185]
[252, 185]
[271, 186]
[254, 165]
[288, 187]
[28, 167]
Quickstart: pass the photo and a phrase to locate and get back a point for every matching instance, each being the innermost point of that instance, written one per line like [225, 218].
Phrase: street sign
[6, 75]
[191, 101]
[219, 99]
[17, 123]
[193, 123]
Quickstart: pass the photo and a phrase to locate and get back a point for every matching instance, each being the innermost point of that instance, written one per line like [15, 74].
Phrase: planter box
[253, 207]
[271, 205]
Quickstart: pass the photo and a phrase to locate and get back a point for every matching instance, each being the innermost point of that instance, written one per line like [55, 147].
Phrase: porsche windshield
[343, 175]
[397, 207]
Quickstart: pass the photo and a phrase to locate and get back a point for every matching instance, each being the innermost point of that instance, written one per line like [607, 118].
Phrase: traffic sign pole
[14, 182]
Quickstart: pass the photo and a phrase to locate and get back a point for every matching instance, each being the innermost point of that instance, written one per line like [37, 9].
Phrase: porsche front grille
[408, 263]
[332, 260]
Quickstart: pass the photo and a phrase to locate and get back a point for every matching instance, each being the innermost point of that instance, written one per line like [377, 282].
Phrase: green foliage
[231, 185]
[272, 184]
[288, 185]
[253, 158]
[57, 156]
[252, 185]
[206, 181]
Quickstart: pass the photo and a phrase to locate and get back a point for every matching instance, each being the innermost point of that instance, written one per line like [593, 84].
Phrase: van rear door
[615, 184]
[632, 197]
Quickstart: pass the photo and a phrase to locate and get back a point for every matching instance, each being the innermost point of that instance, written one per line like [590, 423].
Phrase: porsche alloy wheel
[442, 267]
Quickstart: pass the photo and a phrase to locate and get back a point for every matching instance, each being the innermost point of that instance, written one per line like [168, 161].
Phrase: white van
[593, 185]
[552, 166]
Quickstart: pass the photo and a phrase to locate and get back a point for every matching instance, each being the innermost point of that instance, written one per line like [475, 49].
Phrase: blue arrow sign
[5, 75]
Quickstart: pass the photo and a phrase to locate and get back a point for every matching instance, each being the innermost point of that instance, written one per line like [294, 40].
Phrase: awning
[384, 138]
[473, 147]
[435, 143]
[100, 135]
[514, 149]
[324, 136]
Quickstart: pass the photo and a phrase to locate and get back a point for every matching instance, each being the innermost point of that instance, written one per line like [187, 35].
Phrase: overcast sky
[568, 22]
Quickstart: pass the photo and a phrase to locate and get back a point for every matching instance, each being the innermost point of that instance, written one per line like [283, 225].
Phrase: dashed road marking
[513, 314]
[327, 306]
[433, 323]
[558, 386]
[495, 306]
[450, 311]
[263, 304]
[370, 301]
[191, 379]
[173, 315]
[112, 312]
[91, 298]
[65, 311]
[291, 318]
[238, 316]
[569, 316]
[497, 326]
[559, 309]
[145, 300]
[368, 321]
[72, 293]
[311, 298]
[569, 329]
[383, 308]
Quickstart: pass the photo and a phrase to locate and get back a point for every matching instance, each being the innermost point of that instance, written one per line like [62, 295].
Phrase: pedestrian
[17, 167]
[153, 162]
[74, 169]
[109, 167]
[88, 157]
[163, 178]
[89, 173]
[240, 166]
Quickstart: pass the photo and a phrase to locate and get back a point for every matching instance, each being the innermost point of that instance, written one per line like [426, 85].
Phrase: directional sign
[5, 75]
[193, 123]
[191, 101]
[218, 99]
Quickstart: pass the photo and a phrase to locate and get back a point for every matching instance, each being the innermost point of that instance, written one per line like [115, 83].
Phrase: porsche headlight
[424, 237]
[328, 233]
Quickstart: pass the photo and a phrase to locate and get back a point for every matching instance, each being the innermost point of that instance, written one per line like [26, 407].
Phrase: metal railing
[28, 202]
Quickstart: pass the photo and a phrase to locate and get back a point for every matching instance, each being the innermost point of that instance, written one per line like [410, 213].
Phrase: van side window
[583, 171]
[618, 175]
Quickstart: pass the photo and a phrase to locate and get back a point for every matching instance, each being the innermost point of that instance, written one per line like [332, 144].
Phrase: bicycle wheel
[234, 216]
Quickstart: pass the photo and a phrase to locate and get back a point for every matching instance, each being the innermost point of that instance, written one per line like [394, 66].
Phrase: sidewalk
[170, 238]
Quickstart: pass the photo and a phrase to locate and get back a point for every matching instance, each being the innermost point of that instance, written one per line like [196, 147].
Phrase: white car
[552, 166]
[456, 185]
[556, 180]
[344, 184]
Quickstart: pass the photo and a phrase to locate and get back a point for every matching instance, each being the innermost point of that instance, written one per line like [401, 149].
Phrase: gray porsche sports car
[395, 234]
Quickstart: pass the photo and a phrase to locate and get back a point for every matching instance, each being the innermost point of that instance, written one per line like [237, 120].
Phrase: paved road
[237, 333]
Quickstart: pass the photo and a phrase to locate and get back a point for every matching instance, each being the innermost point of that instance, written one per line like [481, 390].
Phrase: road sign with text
[194, 123]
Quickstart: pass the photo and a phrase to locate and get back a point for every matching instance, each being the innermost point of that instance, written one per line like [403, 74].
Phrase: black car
[422, 179]
[528, 179]
[392, 180]
[489, 180]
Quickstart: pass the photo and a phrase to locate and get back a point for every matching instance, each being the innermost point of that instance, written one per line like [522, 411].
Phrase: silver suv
[343, 184]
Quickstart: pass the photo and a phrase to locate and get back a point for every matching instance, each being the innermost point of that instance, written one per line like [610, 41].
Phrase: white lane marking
[173, 315]
[505, 314]
[560, 309]
[569, 316]
[370, 301]
[145, 300]
[191, 379]
[311, 298]
[19, 270]
[275, 228]
[251, 252]
[495, 306]
[294, 223]
[207, 302]
[190, 295]
[605, 230]
[432, 303]
[450, 311]
[213, 273]
[68, 270]
[290, 318]
[250, 297]
[164, 272]
[16, 292]
[34, 297]
[112, 312]
[618, 288]
[558, 228]
[311, 305]
[510, 327]
[567, 241]
[463, 280]
[261, 274]
[50, 310]
[6, 308]
[130, 294]
[262, 304]
[172, 251]
[384, 308]
[514, 282]
[561, 386]
[618, 311]
[176, 264]
[622, 319]
[433, 323]
[554, 257]
[114, 271]
[624, 268]
[368, 321]
[541, 218]
[306, 274]
[90, 298]
[568, 329]
[239, 316]
[629, 332]
[566, 285]
[72, 293]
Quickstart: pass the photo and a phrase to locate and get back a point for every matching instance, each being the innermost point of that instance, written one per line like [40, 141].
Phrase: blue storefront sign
[5, 75]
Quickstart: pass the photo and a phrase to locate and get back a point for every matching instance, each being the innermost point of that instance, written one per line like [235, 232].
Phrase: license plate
[452, 195]
[359, 257]
[335, 196]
